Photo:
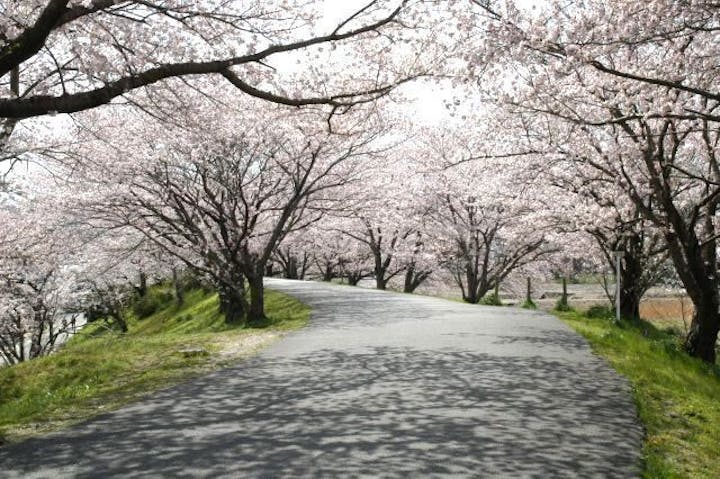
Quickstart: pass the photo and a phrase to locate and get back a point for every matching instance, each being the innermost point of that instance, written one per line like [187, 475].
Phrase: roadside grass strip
[99, 369]
[678, 397]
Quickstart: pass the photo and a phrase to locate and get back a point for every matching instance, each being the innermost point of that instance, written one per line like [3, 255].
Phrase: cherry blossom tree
[388, 220]
[38, 300]
[223, 200]
[336, 255]
[638, 95]
[60, 56]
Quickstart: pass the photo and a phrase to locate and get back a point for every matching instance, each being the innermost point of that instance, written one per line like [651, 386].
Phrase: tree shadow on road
[382, 412]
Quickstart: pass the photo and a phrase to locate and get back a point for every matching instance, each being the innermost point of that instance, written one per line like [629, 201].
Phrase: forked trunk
[414, 278]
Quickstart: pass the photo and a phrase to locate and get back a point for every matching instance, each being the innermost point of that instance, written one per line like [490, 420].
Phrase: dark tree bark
[57, 13]
[256, 313]
[701, 340]
[354, 277]
[414, 278]
[528, 293]
[233, 303]
[632, 288]
[328, 273]
[294, 266]
[142, 288]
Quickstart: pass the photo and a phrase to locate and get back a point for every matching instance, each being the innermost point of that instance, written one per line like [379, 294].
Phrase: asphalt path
[379, 385]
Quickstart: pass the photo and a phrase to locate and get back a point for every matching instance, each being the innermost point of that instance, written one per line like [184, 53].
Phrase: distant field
[671, 311]
[675, 311]
[663, 307]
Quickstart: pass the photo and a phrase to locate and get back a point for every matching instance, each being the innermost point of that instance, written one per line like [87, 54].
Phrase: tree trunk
[233, 303]
[120, 319]
[414, 278]
[142, 288]
[291, 268]
[631, 290]
[380, 270]
[471, 296]
[528, 294]
[327, 273]
[629, 304]
[354, 278]
[702, 337]
[36, 336]
[179, 293]
[256, 314]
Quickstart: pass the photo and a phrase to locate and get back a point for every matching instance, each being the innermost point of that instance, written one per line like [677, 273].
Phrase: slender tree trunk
[179, 293]
[528, 294]
[119, 318]
[36, 337]
[380, 270]
[303, 269]
[142, 289]
[291, 269]
[471, 290]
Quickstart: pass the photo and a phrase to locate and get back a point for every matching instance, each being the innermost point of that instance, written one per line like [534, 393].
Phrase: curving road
[379, 385]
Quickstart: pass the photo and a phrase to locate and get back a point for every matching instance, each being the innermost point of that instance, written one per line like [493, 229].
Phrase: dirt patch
[240, 346]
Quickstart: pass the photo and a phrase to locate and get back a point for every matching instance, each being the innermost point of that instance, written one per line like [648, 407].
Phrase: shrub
[529, 304]
[562, 304]
[491, 299]
[599, 311]
[9, 389]
[151, 303]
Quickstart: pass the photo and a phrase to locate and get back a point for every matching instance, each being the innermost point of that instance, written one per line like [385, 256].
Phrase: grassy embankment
[678, 397]
[99, 369]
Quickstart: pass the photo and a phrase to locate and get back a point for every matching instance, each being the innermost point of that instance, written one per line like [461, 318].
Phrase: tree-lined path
[379, 384]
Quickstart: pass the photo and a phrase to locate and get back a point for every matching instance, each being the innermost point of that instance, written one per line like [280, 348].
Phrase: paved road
[380, 385]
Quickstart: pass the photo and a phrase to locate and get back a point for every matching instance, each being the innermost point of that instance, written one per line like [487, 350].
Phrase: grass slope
[99, 370]
[678, 397]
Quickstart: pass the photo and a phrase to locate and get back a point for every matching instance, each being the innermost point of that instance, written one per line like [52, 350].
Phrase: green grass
[678, 397]
[99, 370]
